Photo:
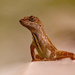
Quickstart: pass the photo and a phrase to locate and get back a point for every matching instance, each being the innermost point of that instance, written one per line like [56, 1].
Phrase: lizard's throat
[37, 36]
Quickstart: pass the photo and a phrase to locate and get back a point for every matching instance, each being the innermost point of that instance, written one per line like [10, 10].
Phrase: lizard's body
[46, 50]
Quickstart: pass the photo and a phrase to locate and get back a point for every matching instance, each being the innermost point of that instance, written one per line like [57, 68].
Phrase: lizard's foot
[48, 59]
[44, 59]
[37, 58]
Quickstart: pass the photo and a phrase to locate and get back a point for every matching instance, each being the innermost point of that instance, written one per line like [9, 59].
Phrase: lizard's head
[31, 22]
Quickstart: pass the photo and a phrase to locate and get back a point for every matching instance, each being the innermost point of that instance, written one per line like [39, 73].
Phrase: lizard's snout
[21, 21]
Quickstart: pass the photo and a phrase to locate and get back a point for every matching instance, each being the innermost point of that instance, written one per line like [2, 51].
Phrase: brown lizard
[46, 50]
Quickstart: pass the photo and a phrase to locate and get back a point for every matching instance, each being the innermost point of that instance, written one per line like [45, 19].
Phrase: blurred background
[58, 17]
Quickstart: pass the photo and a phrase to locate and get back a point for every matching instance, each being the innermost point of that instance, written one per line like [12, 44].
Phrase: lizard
[45, 48]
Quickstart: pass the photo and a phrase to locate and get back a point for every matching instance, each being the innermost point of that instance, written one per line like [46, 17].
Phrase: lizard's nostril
[20, 21]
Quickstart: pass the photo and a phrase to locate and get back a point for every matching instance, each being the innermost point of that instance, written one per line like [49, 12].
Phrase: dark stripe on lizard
[35, 37]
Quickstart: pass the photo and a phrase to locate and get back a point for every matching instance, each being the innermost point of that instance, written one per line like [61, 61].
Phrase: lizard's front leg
[32, 51]
[35, 57]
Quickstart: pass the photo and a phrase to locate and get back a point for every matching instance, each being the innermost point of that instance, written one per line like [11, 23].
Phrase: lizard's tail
[64, 54]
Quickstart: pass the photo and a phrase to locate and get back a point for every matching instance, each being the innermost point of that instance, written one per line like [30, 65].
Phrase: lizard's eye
[31, 19]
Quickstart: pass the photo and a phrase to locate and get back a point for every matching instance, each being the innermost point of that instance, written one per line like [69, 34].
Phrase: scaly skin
[46, 50]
